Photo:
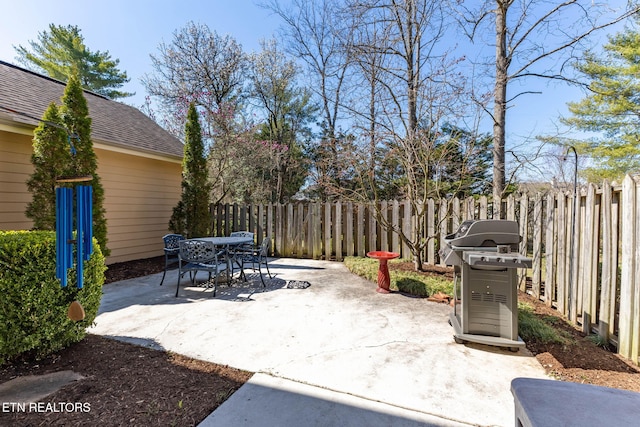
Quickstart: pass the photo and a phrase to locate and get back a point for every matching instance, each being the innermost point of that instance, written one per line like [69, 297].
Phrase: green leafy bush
[532, 327]
[33, 306]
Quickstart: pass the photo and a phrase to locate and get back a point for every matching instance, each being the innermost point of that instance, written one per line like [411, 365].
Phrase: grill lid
[485, 233]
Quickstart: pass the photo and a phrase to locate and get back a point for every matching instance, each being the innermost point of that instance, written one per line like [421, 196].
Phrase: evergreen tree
[61, 50]
[462, 163]
[51, 158]
[75, 118]
[612, 108]
[191, 215]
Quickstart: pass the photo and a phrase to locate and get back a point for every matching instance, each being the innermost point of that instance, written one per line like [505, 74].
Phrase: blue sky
[132, 30]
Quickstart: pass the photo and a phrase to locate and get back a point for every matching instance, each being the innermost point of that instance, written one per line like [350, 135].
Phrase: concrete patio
[335, 353]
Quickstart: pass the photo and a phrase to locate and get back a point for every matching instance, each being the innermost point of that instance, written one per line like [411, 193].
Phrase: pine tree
[61, 50]
[51, 158]
[191, 215]
[75, 117]
[611, 108]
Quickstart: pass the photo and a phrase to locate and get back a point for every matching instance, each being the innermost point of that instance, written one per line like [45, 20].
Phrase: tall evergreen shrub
[75, 117]
[191, 215]
[51, 158]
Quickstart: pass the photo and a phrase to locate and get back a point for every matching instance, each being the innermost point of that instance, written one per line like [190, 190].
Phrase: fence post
[289, 223]
[360, 230]
[281, 246]
[604, 316]
[384, 235]
[443, 223]
[260, 228]
[316, 220]
[406, 228]
[327, 231]
[482, 207]
[550, 250]
[431, 231]
[536, 277]
[561, 278]
[629, 292]
[395, 220]
[337, 231]
[372, 240]
[524, 220]
[349, 232]
[270, 226]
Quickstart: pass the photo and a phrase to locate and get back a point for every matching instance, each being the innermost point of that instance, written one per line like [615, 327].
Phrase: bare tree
[533, 38]
[319, 34]
[411, 90]
[200, 66]
[209, 70]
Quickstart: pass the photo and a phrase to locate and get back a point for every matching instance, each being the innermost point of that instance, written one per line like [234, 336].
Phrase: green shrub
[409, 282]
[33, 307]
[537, 328]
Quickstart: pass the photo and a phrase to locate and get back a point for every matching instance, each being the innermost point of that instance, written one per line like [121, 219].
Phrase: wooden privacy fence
[585, 260]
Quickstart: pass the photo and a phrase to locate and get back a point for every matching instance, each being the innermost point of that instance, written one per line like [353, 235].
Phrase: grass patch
[410, 282]
[538, 328]
[599, 341]
[531, 327]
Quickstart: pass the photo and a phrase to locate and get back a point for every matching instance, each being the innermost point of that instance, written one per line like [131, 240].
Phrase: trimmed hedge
[33, 305]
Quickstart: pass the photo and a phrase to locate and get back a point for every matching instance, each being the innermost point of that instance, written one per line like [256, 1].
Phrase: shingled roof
[113, 123]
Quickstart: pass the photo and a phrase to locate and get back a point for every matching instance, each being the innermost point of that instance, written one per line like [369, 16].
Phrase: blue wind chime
[65, 237]
[64, 225]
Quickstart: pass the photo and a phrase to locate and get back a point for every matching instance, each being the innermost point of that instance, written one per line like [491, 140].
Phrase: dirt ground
[126, 384]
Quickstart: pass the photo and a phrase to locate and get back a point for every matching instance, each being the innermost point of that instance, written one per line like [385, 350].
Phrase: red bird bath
[383, 271]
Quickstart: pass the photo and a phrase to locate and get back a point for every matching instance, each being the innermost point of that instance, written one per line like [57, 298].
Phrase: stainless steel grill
[485, 260]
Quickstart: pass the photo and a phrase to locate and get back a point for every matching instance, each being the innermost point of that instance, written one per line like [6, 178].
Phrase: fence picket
[604, 314]
[395, 220]
[536, 270]
[627, 283]
[431, 232]
[550, 251]
[406, 228]
[337, 230]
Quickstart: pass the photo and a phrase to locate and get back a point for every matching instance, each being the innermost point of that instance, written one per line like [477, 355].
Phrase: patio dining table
[229, 242]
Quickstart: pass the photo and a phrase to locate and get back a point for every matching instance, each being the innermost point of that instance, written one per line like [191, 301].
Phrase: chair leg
[178, 287]
[163, 274]
[266, 264]
[215, 284]
[166, 265]
[264, 285]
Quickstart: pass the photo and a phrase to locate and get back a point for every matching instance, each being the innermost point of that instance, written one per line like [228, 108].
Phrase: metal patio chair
[171, 249]
[257, 255]
[198, 255]
[237, 252]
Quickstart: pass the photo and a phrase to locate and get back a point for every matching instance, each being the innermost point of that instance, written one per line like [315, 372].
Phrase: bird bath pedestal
[383, 271]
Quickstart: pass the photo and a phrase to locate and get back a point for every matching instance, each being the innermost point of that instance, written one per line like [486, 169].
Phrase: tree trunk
[500, 101]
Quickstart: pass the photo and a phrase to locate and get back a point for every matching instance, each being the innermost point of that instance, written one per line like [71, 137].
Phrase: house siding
[15, 169]
[140, 193]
